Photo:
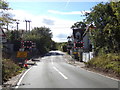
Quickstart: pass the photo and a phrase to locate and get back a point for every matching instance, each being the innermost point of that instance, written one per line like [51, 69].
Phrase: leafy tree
[106, 18]
[79, 25]
[54, 45]
[62, 46]
[14, 37]
[5, 18]
[42, 37]
[3, 5]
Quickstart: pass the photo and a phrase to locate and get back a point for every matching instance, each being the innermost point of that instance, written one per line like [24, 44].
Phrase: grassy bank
[9, 69]
[107, 63]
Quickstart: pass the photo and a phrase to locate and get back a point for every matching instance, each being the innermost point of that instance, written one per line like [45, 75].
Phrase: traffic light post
[78, 43]
[28, 46]
[81, 42]
[79, 47]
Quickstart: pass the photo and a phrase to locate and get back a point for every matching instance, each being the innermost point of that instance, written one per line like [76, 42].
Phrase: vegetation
[105, 37]
[5, 18]
[106, 19]
[9, 69]
[79, 25]
[39, 35]
[108, 63]
[42, 37]
[62, 46]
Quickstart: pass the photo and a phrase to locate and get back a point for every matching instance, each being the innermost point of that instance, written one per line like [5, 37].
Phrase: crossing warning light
[28, 44]
[78, 45]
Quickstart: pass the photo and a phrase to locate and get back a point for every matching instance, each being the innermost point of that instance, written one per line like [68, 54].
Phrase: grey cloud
[48, 21]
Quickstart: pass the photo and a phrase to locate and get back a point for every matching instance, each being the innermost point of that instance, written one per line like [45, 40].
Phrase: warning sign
[22, 54]
[75, 52]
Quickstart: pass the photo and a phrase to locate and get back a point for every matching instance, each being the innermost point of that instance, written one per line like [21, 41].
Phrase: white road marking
[18, 84]
[60, 73]
[52, 61]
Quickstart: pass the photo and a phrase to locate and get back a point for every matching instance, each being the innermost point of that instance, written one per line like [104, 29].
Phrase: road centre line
[60, 73]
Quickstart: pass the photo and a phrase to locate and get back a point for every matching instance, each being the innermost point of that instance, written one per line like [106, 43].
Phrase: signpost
[22, 54]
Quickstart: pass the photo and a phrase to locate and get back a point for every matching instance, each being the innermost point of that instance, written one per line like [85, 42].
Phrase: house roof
[87, 29]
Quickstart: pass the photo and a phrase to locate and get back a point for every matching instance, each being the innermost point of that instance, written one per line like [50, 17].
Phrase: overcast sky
[59, 16]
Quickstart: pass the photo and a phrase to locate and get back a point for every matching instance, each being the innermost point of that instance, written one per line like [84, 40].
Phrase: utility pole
[26, 24]
[29, 25]
[17, 30]
[17, 25]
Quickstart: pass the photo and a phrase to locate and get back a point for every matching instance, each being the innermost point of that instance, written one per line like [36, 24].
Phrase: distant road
[53, 72]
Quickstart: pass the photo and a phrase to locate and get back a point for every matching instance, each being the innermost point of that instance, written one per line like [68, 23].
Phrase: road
[54, 72]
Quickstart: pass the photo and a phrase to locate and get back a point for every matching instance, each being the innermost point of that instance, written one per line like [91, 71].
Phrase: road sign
[77, 34]
[75, 52]
[22, 54]
[78, 45]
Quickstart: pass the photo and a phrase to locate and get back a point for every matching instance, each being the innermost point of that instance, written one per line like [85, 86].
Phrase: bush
[9, 69]
[107, 62]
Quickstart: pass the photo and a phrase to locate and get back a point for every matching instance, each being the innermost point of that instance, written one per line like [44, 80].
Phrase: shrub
[106, 62]
[9, 69]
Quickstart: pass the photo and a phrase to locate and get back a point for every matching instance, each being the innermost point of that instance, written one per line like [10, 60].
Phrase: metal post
[17, 25]
[17, 29]
[26, 24]
[29, 26]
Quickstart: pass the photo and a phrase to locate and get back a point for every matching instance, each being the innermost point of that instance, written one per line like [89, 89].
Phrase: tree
[53, 45]
[42, 37]
[106, 18]
[79, 25]
[5, 18]
[3, 5]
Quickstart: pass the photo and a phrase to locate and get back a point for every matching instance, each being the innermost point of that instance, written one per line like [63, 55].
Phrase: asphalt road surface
[54, 72]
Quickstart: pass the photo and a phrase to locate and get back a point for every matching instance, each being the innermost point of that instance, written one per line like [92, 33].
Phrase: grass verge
[9, 69]
[109, 63]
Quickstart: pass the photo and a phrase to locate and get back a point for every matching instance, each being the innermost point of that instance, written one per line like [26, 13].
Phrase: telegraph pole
[17, 25]
[26, 24]
[17, 30]
[29, 25]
